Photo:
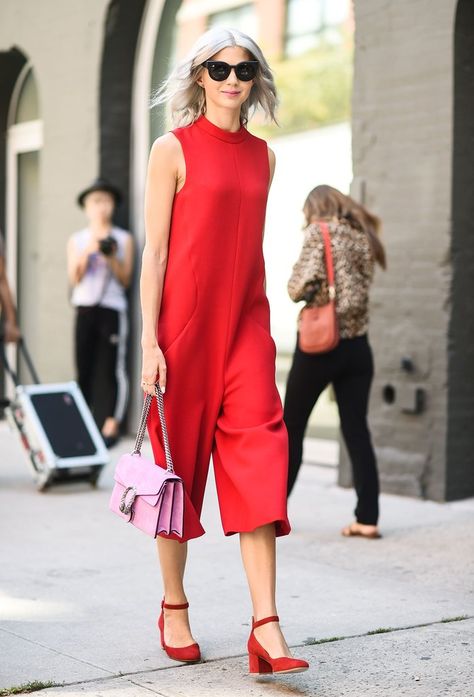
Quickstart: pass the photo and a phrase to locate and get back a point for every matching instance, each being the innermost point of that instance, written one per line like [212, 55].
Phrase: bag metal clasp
[126, 506]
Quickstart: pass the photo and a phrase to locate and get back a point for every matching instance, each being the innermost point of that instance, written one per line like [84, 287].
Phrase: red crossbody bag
[318, 330]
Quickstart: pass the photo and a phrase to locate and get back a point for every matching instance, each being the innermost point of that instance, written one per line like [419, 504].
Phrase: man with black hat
[100, 266]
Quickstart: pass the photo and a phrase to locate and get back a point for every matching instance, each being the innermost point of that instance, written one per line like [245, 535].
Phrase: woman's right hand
[153, 368]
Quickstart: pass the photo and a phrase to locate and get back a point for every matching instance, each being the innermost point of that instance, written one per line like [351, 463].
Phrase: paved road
[80, 592]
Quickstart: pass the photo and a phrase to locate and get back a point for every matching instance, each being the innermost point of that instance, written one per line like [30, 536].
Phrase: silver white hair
[187, 100]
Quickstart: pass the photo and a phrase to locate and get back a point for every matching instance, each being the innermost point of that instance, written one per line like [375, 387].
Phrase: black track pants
[100, 352]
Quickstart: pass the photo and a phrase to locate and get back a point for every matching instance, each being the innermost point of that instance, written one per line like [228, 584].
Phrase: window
[27, 108]
[24, 143]
[311, 22]
[242, 17]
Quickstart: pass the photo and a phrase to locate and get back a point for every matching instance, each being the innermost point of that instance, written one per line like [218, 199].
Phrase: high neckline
[213, 130]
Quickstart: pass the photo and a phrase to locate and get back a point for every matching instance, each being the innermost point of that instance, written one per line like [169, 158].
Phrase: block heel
[260, 661]
[258, 665]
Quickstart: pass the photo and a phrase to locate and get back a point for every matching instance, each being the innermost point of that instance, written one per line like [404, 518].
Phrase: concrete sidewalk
[80, 594]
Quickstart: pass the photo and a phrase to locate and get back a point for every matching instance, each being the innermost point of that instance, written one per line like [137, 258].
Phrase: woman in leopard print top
[353, 272]
[355, 248]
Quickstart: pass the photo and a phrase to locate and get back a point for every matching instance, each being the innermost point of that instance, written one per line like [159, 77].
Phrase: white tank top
[99, 285]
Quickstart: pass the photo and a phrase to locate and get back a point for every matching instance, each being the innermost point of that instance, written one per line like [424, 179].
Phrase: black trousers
[100, 353]
[349, 367]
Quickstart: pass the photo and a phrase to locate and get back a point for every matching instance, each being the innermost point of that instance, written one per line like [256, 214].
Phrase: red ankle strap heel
[167, 606]
[185, 654]
[266, 620]
[261, 662]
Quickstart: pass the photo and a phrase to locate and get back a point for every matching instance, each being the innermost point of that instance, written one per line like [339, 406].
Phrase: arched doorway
[11, 65]
[123, 24]
[24, 143]
[137, 41]
[155, 50]
[460, 432]
[153, 60]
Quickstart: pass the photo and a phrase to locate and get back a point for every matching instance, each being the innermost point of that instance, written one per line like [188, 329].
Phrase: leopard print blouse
[353, 271]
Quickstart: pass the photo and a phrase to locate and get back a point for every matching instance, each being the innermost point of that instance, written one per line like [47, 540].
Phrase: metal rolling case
[57, 431]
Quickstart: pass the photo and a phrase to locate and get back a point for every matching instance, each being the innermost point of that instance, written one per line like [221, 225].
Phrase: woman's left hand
[153, 369]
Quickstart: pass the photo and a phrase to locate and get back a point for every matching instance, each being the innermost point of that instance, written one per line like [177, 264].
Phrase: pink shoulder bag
[318, 331]
[147, 495]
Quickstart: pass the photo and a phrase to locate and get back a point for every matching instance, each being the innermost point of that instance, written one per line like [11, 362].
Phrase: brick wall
[402, 144]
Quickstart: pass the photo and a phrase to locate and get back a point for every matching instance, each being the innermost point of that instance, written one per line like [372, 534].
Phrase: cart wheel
[43, 485]
[94, 478]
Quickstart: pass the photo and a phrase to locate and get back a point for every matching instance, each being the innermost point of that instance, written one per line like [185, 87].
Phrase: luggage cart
[57, 431]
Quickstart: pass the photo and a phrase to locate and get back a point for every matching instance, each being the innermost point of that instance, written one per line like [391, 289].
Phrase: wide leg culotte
[214, 329]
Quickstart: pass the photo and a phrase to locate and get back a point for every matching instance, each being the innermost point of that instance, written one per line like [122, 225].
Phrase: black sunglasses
[218, 70]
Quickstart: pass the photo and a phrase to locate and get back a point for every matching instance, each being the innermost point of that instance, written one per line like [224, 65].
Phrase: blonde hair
[187, 100]
[326, 202]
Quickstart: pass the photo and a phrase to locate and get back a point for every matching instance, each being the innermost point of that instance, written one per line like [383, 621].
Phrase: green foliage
[314, 89]
[459, 618]
[33, 686]
[311, 641]
[385, 630]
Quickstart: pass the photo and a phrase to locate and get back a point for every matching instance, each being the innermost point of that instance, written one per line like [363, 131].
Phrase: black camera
[108, 246]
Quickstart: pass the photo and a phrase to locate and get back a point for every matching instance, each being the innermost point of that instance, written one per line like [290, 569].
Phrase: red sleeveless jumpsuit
[214, 329]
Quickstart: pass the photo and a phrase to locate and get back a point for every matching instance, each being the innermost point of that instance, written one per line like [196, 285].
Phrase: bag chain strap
[164, 430]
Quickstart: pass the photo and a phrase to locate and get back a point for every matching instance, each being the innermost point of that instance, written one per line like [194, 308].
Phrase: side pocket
[178, 310]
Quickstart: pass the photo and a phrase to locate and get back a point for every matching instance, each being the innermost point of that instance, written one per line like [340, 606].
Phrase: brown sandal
[350, 532]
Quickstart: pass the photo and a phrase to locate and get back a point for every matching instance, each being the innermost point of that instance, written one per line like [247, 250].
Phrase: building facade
[75, 83]
[413, 159]
[75, 87]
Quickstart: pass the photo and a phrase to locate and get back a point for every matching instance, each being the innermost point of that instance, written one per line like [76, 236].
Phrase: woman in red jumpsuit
[206, 328]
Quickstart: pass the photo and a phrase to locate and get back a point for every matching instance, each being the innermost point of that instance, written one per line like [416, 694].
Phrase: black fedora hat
[100, 184]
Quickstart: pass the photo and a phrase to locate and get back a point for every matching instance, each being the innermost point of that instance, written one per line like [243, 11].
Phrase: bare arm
[272, 163]
[162, 176]
[12, 333]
